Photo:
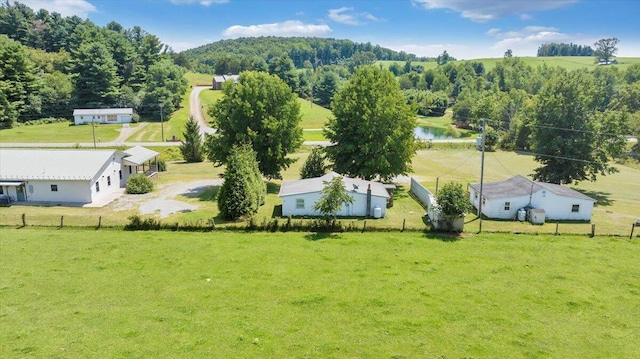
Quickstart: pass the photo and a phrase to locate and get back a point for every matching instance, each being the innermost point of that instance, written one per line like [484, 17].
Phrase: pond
[430, 133]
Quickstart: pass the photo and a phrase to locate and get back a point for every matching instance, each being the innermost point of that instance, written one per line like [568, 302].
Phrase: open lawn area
[61, 132]
[173, 124]
[209, 98]
[86, 294]
[198, 79]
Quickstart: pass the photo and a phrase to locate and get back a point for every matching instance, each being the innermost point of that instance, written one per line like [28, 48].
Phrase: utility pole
[93, 130]
[484, 132]
[162, 121]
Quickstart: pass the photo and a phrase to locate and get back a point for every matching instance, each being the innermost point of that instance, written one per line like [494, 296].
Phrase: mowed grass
[567, 62]
[276, 295]
[60, 132]
[198, 79]
[173, 124]
[209, 98]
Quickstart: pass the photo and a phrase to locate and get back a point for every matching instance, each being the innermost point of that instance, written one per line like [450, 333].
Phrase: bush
[139, 183]
[162, 165]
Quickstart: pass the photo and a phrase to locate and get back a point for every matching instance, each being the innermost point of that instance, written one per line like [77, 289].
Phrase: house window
[120, 174]
[484, 200]
[112, 118]
[82, 117]
[507, 206]
[475, 195]
[108, 180]
[130, 169]
[54, 188]
[299, 203]
[575, 208]
[97, 186]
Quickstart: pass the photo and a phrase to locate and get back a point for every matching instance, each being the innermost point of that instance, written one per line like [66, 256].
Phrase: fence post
[633, 225]
[24, 219]
[364, 227]
[404, 221]
[99, 222]
[61, 221]
[556, 230]
[593, 230]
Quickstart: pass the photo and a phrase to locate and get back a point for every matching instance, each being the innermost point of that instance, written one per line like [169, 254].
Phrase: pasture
[84, 293]
[568, 62]
[61, 132]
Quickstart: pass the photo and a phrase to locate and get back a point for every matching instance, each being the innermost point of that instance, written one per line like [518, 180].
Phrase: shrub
[162, 165]
[139, 183]
[243, 190]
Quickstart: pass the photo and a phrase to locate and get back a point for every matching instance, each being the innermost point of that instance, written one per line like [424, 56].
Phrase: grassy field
[61, 132]
[198, 79]
[568, 62]
[173, 125]
[265, 295]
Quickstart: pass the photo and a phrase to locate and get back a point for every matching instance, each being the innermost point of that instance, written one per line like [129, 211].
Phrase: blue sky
[465, 28]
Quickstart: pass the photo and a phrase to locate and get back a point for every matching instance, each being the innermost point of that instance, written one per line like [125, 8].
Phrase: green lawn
[313, 116]
[198, 79]
[173, 125]
[275, 295]
[208, 98]
[61, 132]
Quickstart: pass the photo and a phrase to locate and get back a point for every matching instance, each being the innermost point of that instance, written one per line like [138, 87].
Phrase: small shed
[218, 80]
[102, 115]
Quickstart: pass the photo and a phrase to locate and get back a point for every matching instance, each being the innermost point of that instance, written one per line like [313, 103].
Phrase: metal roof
[28, 164]
[102, 111]
[518, 185]
[316, 184]
[138, 155]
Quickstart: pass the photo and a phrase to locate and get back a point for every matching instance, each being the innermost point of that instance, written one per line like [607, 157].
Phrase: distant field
[61, 132]
[208, 98]
[294, 295]
[198, 79]
[313, 116]
[173, 124]
[568, 62]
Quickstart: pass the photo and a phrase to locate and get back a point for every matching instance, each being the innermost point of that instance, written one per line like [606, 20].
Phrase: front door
[20, 193]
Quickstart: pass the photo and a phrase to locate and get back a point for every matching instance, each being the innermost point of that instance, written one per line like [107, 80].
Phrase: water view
[430, 133]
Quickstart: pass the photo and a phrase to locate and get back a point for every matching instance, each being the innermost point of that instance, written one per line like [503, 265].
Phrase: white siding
[68, 191]
[356, 209]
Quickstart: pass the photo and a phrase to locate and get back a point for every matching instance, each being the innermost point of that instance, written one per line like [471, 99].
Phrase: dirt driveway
[162, 200]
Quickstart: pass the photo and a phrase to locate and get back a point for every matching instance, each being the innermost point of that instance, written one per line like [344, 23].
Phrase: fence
[423, 195]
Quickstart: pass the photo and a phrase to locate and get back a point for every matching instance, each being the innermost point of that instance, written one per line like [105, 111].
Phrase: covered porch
[12, 191]
[141, 160]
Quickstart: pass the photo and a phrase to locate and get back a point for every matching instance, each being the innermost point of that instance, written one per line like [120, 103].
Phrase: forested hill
[52, 64]
[304, 51]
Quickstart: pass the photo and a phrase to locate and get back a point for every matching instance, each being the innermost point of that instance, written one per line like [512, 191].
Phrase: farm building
[503, 199]
[104, 115]
[218, 80]
[369, 198]
[67, 176]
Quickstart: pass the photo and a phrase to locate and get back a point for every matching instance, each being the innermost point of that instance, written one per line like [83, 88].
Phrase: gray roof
[29, 164]
[518, 185]
[316, 184]
[138, 155]
[223, 78]
[103, 111]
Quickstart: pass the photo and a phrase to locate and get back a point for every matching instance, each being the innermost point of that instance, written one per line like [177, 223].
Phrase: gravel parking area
[163, 199]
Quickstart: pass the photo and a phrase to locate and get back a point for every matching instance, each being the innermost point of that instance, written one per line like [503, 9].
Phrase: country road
[195, 110]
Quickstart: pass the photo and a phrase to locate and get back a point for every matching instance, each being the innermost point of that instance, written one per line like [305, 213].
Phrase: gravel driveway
[163, 199]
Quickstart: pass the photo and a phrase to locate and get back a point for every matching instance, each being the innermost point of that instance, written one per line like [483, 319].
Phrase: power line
[559, 157]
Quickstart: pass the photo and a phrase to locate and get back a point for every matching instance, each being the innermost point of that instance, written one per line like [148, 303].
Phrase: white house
[69, 176]
[59, 176]
[104, 115]
[369, 198]
[502, 199]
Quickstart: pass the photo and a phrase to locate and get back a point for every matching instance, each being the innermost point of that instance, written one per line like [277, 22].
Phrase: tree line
[53, 64]
[563, 49]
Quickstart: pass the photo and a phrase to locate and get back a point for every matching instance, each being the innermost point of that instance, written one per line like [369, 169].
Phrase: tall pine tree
[192, 149]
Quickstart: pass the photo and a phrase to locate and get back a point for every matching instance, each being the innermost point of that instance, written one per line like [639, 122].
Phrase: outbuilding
[369, 198]
[503, 199]
[103, 115]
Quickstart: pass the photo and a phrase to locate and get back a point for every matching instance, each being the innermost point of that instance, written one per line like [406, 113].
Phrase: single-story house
[102, 115]
[218, 80]
[139, 159]
[503, 199]
[369, 198]
[67, 176]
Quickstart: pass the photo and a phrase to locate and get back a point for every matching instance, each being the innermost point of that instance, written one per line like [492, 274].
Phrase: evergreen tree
[314, 165]
[192, 149]
[17, 81]
[243, 190]
[96, 81]
[260, 110]
[372, 130]
[326, 88]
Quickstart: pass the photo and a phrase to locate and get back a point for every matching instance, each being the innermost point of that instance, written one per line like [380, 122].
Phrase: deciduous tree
[260, 110]
[606, 48]
[372, 128]
[332, 197]
[453, 202]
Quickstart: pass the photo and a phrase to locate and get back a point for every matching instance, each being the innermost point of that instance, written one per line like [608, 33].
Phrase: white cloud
[347, 15]
[79, 8]
[286, 28]
[201, 2]
[487, 10]
[525, 42]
